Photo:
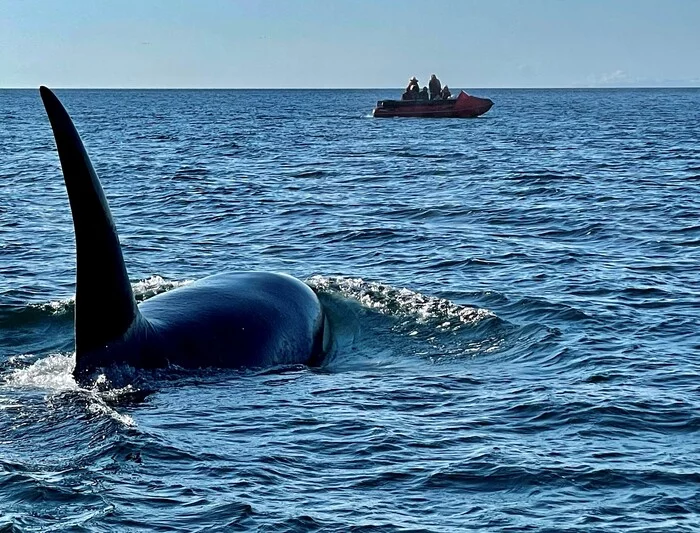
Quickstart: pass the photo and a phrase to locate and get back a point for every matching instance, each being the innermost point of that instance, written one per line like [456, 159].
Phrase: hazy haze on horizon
[344, 44]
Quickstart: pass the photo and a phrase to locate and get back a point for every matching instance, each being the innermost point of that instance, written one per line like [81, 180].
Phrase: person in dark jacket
[435, 87]
[445, 93]
[423, 95]
[413, 89]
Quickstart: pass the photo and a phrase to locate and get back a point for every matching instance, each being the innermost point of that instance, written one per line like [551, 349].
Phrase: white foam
[143, 289]
[101, 408]
[53, 373]
[401, 301]
[56, 307]
[149, 287]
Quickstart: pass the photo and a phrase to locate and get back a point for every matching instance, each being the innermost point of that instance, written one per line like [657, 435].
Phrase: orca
[228, 320]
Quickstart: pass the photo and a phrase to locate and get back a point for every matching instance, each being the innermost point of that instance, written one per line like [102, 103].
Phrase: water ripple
[514, 299]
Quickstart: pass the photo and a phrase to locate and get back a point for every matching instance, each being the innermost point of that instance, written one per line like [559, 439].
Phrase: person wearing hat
[413, 89]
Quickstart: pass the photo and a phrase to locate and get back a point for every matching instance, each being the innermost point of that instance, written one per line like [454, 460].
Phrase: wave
[54, 375]
[389, 300]
[379, 325]
[310, 174]
[373, 324]
[384, 298]
[149, 287]
[144, 289]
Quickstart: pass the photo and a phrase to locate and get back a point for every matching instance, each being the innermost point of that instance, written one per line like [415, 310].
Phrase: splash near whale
[228, 320]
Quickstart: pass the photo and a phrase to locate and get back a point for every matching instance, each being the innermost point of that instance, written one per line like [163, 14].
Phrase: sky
[348, 43]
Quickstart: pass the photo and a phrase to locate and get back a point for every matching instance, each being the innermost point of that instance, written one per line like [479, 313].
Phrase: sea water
[516, 302]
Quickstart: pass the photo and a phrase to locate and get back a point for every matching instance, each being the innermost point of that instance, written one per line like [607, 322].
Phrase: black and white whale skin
[229, 320]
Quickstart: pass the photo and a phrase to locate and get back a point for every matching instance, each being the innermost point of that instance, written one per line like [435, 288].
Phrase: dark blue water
[515, 298]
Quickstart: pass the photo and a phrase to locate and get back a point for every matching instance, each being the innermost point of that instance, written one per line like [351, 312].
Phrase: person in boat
[412, 89]
[435, 87]
[445, 93]
[423, 95]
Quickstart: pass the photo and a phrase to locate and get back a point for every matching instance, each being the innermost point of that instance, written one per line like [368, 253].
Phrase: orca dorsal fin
[104, 301]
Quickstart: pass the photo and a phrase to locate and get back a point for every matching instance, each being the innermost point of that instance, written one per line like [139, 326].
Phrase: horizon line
[603, 87]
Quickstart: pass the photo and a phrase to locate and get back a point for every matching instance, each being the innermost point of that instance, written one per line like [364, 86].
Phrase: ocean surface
[515, 300]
